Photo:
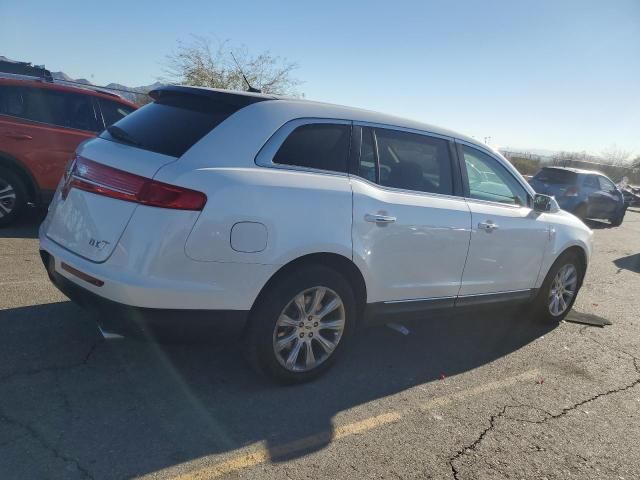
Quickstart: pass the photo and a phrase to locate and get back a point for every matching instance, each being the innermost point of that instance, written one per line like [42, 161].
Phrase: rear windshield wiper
[120, 134]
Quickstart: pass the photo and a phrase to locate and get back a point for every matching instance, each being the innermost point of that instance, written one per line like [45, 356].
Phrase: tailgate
[90, 225]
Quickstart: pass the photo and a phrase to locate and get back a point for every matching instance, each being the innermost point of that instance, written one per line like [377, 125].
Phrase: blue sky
[561, 75]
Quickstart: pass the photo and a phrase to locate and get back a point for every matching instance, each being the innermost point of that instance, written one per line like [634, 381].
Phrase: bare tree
[615, 156]
[204, 63]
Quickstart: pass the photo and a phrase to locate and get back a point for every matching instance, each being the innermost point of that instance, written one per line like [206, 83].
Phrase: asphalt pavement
[491, 395]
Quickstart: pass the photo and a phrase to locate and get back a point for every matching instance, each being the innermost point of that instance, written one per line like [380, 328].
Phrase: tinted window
[556, 176]
[170, 125]
[413, 162]
[49, 106]
[367, 167]
[591, 181]
[489, 180]
[606, 184]
[113, 111]
[323, 146]
[12, 101]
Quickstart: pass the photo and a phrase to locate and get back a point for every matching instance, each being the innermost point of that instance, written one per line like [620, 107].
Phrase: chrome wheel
[563, 289]
[7, 198]
[309, 329]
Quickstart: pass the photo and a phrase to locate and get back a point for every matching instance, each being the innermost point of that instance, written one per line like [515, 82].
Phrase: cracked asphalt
[492, 395]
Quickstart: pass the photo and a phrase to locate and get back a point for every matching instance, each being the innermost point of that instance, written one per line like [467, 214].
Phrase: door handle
[488, 226]
[18, 136]
[377, 218]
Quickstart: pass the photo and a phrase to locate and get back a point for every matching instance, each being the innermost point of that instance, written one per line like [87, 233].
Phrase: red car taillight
[571, 192]
[110, 182]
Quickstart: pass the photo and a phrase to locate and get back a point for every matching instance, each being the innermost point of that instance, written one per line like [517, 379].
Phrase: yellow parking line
[261, 454]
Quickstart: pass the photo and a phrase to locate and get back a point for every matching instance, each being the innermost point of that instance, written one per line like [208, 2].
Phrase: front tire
[617, 220]
[13, 197]
[560, 288]
[300, 324]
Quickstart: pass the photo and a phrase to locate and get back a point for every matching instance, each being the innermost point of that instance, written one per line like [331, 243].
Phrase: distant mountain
[130, 93]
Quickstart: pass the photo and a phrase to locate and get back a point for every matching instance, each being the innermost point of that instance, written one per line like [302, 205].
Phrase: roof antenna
[250, 89]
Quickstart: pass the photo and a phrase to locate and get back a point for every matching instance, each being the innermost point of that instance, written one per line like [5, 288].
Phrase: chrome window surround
[265, 156]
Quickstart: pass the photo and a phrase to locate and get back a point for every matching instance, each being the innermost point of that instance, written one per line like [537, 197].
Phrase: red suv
[41, 124]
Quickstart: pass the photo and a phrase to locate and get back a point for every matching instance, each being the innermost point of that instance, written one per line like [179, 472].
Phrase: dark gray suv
[585, 193]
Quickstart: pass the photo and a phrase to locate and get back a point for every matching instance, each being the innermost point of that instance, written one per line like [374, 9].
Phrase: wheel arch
[335, 261]
[11, 163]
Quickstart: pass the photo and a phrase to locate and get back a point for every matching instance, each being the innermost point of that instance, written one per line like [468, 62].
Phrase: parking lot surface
[487, 396]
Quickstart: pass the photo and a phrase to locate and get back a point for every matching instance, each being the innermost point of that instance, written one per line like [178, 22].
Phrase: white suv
[295, 222]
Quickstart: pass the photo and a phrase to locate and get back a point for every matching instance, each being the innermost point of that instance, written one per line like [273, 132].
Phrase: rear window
[170, 125]
[556, 176]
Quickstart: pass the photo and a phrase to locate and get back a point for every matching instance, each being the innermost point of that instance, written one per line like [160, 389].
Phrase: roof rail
[26, 69]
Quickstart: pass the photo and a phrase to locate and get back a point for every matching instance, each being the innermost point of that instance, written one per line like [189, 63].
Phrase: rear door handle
[488, 226]
[377, 218]
[18, 136]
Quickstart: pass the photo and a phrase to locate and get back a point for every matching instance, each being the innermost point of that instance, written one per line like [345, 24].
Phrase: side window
[606, 185]
[59, 108]
[413, 162]
[12, 101]
[367, 167]
[591, 181]
[323, 146]
[113, 111]
[488, 180]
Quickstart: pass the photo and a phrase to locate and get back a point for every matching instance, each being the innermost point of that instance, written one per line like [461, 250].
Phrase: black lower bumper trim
[138, 321]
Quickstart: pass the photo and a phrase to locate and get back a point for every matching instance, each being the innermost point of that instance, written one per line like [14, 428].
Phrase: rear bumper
[138, 321]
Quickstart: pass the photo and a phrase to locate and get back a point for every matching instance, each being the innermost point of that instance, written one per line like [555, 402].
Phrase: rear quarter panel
[302, 212]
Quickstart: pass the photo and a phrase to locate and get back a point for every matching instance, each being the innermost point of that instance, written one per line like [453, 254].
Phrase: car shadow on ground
[124, 407]
[26, 226]
[630, 262]
[597, 224]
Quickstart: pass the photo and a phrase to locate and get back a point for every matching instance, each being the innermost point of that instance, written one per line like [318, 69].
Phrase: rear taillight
[571, 192]
[110, 182]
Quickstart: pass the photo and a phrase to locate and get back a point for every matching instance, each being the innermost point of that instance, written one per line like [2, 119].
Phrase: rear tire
[553, 301]
[288, 320]
[13, 197]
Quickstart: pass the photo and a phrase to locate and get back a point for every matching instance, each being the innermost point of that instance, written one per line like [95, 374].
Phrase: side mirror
[545, 203]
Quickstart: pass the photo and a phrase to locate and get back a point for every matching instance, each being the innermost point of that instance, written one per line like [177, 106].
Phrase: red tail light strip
[82, 275]
[111, 182]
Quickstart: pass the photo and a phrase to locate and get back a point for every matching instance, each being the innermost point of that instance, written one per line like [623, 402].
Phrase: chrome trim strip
[419, 300]
[525, 290]
[425, 133]
[506, 292]
[401, 190]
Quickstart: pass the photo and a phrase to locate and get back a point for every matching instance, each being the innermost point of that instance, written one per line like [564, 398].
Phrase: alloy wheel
[7, 198]
[563, 289]
[309, 329]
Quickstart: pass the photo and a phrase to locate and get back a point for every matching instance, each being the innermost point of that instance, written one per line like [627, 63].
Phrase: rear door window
[113, 111]
[591, 181]
[411, 161]
[322, 146]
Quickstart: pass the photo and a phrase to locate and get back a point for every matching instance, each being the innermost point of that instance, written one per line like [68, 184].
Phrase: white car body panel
[160, 258]
[419, 255]
[509, 257]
